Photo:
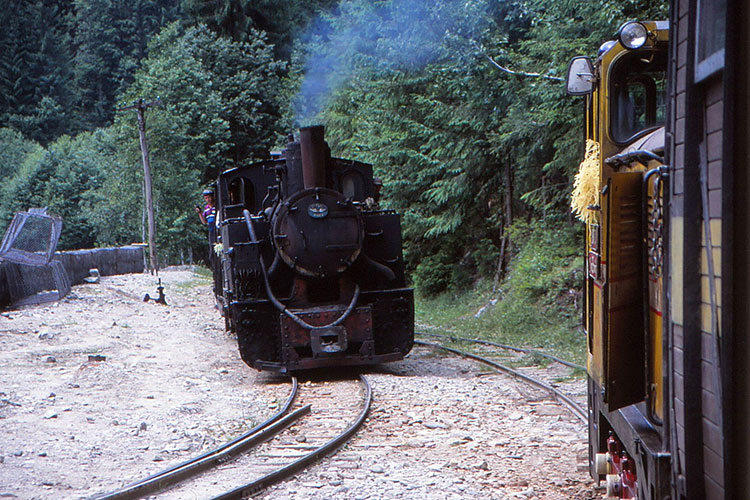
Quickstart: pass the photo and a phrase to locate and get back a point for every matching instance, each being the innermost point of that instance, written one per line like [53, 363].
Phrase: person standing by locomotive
[208, 215]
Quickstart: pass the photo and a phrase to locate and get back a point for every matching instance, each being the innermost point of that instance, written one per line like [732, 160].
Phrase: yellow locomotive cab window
[638, 94]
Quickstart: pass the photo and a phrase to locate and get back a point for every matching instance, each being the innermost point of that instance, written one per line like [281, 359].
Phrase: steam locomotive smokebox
[318, 232]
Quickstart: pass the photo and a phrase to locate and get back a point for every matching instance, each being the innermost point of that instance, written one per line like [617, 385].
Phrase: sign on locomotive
[312, 268]
[663, 190]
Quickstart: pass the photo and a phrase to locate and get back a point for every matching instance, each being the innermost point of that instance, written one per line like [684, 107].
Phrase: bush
[433, 275]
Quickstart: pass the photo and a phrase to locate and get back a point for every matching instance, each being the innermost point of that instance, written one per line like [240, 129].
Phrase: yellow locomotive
[619, 194]
[663, 190]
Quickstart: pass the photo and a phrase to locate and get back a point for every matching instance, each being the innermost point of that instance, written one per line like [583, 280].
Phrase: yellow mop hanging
[586, 185]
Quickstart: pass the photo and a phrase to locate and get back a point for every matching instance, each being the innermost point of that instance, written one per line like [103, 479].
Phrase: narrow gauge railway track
[281, 451]
[524, 350]
[556, 393]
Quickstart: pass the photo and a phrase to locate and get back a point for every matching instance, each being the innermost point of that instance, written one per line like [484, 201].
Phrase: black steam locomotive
[312, 272]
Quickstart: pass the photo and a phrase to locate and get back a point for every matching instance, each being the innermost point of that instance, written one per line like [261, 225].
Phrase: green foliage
[538, 304]
[59, 178]
[111, 37]
[221, 103]
[541, 268]
[282, 20]
[220, 107]
[64, 61]
[442, 97]
[35, 79]
[437, 94]
[14, 148]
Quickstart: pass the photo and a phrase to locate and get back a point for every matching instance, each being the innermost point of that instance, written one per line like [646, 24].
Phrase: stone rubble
[135, 387]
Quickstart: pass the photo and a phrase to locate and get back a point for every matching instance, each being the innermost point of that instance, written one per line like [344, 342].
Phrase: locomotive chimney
[314, 154]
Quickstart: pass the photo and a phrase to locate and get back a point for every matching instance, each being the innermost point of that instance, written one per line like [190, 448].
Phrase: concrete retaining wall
[109, 261]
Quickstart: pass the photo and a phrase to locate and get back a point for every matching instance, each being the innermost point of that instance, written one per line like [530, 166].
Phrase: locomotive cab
[619, 194]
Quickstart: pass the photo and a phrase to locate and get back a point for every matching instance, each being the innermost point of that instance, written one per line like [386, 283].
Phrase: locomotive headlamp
[633, 35]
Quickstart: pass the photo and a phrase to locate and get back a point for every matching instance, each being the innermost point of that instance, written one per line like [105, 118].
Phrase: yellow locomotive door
[624, 346]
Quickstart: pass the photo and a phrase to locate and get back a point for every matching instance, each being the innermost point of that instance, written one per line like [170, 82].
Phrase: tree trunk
[507, 222]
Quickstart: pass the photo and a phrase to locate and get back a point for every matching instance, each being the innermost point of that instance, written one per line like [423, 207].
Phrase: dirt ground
[100, 389]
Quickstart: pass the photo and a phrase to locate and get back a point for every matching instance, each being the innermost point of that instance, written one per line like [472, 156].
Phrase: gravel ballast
[100, 389]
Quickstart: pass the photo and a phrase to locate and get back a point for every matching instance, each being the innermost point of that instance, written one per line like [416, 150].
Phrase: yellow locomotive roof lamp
[632, 35]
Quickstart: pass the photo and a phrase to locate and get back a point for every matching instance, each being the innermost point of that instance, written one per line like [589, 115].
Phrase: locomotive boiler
[312, 267]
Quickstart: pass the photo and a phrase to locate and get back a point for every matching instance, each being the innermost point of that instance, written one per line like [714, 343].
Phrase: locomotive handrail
[281, 307]
[625, 158]
[660, 172]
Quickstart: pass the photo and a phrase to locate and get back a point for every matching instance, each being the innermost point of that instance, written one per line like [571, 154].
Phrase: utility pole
[140, 107]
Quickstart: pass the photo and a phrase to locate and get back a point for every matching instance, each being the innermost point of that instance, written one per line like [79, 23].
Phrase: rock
[529, 493]
[548, 410]
[50, 414]
[377, 469]
[301, 439]
[2, 459]
[483, 465]
[18, 453]
[97, 357]
[93, 276]
[42, 454]
[143, 426]
[52, 395]
[46, 335]
[435, 425]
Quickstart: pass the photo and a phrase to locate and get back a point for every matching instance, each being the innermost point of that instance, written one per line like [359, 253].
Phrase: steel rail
[225, 452]
[524, 350]
[289, 470]
[574, 407]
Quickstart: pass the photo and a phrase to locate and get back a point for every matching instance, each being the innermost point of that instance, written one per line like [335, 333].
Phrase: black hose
[281, 307]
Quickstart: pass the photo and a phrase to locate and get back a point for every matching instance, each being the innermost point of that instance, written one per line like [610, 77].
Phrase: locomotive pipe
[313, 156]
[378, 267]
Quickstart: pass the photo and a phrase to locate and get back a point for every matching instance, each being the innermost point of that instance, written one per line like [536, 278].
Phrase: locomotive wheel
[601, 463]
[614, 486]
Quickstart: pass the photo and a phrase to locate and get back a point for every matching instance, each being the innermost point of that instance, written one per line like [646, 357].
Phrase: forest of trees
[460, 105]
